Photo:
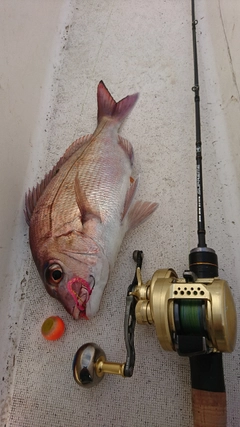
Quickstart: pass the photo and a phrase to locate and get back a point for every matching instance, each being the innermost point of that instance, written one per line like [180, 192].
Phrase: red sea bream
[80, 212]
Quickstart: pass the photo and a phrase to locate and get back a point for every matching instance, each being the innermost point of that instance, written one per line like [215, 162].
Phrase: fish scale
[104, 180]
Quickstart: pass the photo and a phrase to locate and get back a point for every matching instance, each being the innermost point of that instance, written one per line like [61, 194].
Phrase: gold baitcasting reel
[192, 316]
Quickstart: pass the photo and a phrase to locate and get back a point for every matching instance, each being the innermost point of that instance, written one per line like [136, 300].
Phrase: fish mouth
[78, 314]
[80, 290]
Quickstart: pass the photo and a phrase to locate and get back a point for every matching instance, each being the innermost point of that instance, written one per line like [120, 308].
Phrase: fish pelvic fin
[107, 106]
[140, 213]
[32, 196]
[129, 197]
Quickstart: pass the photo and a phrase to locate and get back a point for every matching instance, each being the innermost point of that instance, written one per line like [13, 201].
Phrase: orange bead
[53, 328]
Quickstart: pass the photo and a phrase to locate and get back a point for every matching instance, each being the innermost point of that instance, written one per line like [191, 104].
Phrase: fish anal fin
[140, 213]
[32, 196]
[127, 148]
[129, 198]
[87, 209]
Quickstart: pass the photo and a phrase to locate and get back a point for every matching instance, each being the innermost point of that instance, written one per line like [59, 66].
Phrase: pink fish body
[80, 212]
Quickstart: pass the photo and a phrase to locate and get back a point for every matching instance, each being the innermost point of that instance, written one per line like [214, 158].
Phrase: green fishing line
[191, 316]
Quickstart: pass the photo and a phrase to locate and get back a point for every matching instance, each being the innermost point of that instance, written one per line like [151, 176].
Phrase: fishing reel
[192, 316]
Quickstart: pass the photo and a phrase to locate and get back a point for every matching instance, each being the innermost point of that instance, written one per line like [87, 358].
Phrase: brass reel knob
[90, 365]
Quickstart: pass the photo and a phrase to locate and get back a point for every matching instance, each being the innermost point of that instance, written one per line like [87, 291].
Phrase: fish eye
[54, 274]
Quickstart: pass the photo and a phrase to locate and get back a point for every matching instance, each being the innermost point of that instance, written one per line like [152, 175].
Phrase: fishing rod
[194, 315]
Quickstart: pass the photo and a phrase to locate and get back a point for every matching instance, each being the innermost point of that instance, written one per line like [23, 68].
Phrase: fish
[80, 212]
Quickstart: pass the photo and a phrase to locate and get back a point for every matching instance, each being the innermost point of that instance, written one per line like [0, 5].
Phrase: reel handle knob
[84, 361]
[90, 365]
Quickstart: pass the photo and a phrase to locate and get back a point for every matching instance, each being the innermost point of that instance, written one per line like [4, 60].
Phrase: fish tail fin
[107, 106]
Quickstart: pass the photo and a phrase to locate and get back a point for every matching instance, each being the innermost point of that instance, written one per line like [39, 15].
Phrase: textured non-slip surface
[142, 46]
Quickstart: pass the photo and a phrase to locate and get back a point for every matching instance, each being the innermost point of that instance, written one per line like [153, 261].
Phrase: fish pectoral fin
[81, 245]
[140, 212]
[87, 209]
[129, 198]
[127, 148]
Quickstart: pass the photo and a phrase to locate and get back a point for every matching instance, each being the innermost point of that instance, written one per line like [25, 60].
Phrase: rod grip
[208, 391]
[209, 408]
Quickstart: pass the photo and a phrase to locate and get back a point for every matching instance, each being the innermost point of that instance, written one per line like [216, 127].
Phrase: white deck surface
[53, 54]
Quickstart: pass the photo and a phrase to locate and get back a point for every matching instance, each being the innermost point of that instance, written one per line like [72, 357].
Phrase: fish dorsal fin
[140, 212]
[32, 196]
[74, 147]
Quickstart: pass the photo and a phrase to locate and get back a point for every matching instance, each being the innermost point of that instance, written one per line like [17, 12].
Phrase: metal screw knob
[84, 365]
